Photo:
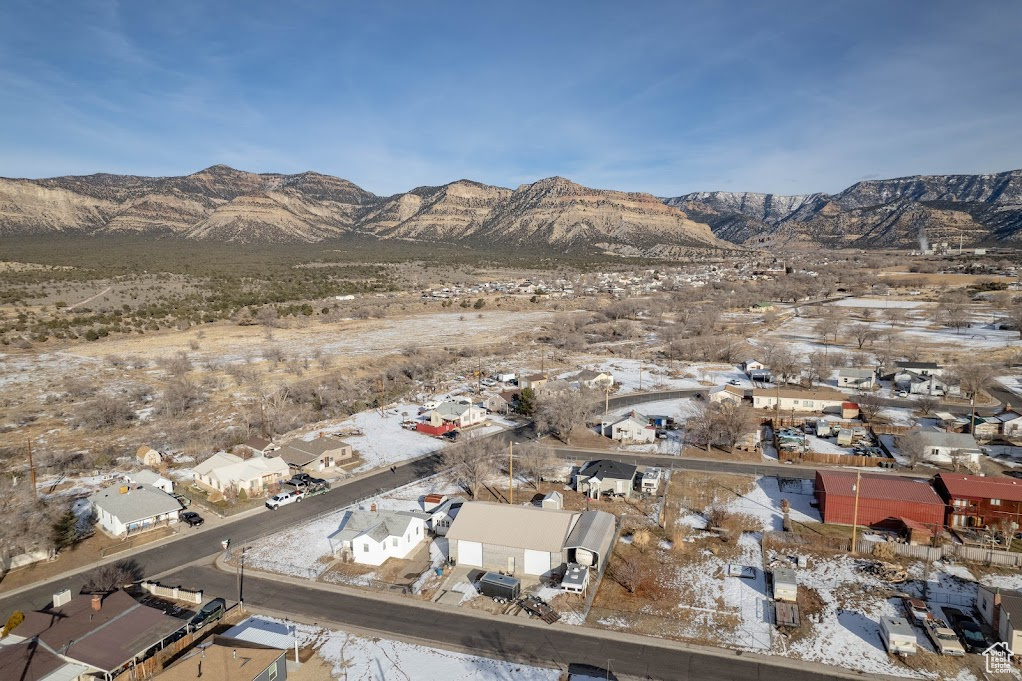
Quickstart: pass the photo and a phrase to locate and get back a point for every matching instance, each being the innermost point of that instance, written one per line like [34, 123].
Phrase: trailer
[897, 636]
[309, 488]
[785, 586]
[498, 586]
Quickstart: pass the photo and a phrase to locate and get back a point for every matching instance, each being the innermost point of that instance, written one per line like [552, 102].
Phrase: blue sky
[668, 98]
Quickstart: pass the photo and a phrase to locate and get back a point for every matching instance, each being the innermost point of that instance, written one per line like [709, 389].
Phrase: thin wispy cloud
[667, 98]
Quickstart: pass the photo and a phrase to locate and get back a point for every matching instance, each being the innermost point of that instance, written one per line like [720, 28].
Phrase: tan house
[147, 456]
[1002, 611]
[320, 454]
[257, 446]
[533, 381]
[726, 393]
[223, 471]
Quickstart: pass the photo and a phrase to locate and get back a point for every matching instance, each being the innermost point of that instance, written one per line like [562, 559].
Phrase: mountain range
[903, 213]
[224, 204]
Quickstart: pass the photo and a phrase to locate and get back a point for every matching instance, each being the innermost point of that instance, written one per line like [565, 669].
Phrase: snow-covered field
[626, 376]
[384, 442]
[880, 303]
[358, 657]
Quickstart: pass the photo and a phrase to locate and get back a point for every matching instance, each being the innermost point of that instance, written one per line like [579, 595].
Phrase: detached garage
[514, 539]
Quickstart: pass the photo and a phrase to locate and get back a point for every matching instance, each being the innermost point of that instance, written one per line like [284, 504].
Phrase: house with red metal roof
[880, 497]
[976, 501]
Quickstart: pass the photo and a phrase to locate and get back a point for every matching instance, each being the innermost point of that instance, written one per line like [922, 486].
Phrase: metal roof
[959, 485]
[519, 527]
[593, 531]
[938, 438]
[138, 503]
[264, 632]
[873, 486]
[377, 525]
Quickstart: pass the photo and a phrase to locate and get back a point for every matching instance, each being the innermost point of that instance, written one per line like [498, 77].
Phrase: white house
[726, 393]
[940, 446]
[633, 427]
[924, 384]
[371, 537]
[797, 400]
[921, 368]
[605, 475]
[131, 507]
[222, 471]
[595, 380]
[147, 477]
[458, 413]
[442, 515]
[750, 365]
[860, 379]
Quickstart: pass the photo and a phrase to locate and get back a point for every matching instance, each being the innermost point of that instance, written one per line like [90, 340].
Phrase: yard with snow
[348, 656]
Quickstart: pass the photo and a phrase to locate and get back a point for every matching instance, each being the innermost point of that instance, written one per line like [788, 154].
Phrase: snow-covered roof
[264, 632]
[377, 525]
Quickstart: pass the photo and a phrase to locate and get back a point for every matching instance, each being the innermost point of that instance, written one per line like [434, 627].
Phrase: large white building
[527, 539]
[790, 399]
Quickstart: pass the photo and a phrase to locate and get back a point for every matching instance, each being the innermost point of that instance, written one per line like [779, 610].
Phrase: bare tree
[112, 576]
[733, 420]
[927, 403]
[819, 365]
[972, 378]
[630, 572]
[536, 461]
[701, 429]
[472, 461]
[913, 447]
[870, 405]
[105, 411]
[562, 412]
[863, 334]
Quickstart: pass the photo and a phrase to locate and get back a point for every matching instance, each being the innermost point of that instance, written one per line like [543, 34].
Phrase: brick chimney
[97, 602]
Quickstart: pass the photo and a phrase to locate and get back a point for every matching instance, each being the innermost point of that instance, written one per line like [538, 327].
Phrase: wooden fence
[833, 459]
[973, 554]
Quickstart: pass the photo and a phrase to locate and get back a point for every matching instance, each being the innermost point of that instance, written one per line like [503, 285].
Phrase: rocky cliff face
[978, 209]
[224, 204]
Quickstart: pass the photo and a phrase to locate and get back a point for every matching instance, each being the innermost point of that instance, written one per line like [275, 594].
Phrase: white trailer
[898, 636]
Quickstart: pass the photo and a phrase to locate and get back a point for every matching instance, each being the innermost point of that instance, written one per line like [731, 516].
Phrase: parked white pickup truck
[283, 499]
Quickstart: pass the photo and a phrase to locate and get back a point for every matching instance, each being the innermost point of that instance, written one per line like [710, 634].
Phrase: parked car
[283, 499]
[210, 612]
[943, 638]
[971, 634]
[902, 393]
[734, 381]
[916, 610]
[1013, 474]
[191, 518]
[302, 477]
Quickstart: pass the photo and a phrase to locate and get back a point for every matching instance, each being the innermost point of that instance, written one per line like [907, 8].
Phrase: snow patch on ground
[357, 657]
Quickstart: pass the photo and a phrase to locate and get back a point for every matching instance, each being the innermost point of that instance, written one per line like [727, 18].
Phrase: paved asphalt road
[505, 640]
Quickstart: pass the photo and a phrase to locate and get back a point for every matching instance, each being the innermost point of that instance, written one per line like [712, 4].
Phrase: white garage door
[470, 553]
[537, 562]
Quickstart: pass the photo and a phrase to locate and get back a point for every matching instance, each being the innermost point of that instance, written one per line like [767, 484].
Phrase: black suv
[191, 518]
[973, 638]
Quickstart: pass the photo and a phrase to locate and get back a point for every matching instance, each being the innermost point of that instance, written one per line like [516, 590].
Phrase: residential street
[504, 638]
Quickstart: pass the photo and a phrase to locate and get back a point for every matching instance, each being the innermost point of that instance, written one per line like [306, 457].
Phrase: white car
[902, 393]
[283, 499]
[944, 640]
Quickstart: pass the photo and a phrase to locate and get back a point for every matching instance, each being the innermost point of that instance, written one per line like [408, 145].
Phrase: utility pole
[31, 471]
[606, 401]
[511, 472]
[855, 512]
[640, 378]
